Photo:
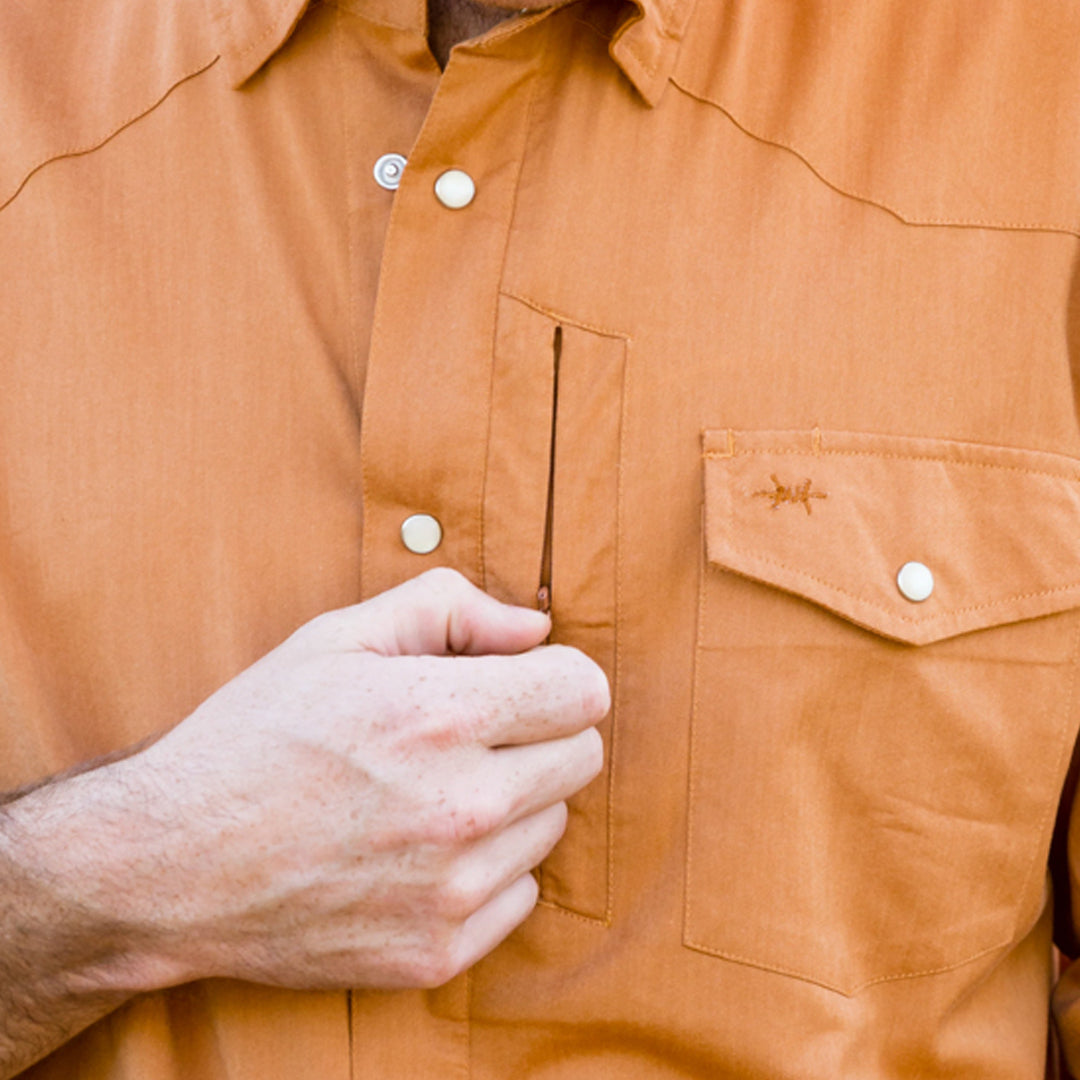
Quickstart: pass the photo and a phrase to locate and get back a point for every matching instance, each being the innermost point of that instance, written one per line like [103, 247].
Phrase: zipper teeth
[543, 595]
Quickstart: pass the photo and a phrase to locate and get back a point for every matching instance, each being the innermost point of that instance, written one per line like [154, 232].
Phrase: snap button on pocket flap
[915, 539]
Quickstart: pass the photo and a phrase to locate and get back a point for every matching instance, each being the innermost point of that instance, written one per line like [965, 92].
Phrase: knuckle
[443, 580]
[455, 723]
[431, 968]
[458, 899]
[463, 825]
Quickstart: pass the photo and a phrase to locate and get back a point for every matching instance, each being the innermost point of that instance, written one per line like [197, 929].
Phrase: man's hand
[361, 807]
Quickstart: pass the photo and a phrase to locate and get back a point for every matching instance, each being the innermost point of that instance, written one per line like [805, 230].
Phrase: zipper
[543, 594]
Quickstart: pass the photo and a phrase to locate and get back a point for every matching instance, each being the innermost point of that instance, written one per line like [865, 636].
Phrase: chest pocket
[875, 763]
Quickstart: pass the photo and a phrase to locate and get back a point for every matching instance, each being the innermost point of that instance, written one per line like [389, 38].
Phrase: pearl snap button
[388, 170]
[455, 189]
[915, 582]
[421, 533]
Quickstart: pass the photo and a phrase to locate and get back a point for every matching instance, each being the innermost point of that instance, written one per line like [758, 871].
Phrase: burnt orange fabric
[810, 265]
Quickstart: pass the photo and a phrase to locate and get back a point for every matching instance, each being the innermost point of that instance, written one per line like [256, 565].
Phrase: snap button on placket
[421, 533]
[455, 189]
[388, 170]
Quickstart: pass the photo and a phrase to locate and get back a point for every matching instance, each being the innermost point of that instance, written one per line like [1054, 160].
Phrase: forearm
[70, 950]
[360, 808]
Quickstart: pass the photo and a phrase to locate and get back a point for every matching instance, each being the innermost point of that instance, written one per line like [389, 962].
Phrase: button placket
[455, 189]
[388, 171]
[421, 533]
[424, 428]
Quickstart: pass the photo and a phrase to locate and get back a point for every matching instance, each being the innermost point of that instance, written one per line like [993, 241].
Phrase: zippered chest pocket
[551, 533]
[883, 701]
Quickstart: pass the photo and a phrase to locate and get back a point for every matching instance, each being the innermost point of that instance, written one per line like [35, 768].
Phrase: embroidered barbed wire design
[797, 495]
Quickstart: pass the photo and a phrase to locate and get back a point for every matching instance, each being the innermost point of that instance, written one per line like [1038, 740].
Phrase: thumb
[441, 613]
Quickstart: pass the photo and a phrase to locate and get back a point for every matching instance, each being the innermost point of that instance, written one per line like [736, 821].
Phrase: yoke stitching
[80, 151]
[958, 223]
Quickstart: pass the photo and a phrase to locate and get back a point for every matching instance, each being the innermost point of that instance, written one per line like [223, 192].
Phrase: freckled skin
[362, 807]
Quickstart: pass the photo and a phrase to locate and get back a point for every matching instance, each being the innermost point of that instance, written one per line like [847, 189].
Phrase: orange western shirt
[808, 269]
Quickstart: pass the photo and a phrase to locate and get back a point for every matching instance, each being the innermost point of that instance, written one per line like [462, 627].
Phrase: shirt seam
[925, 621]
[524, 144]
[89, 148]
[563, 318]
[857, 196]
[764, 965]
[723, 455]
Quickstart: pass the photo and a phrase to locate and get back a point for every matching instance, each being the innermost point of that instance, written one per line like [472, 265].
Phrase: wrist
[88, 912]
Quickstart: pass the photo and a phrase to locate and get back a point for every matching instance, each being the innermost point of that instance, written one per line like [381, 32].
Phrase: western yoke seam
[89, 148]
[913, 222]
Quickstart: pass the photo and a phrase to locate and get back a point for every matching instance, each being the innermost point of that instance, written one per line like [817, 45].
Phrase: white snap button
[915, 582]
[455, 189]
[388, 170]
[421, 534]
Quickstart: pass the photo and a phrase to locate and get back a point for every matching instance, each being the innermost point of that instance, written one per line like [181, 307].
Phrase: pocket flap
[834, 516]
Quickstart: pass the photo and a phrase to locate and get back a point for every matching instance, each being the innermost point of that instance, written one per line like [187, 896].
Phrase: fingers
[509, 690]
[491, 864]
[495, 921]
[539, 775]
[441, 613]
[548, 693]
[496, 875]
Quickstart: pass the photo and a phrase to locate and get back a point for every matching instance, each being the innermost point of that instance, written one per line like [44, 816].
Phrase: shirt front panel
[804, 812]
[790, 774]
[186, 313]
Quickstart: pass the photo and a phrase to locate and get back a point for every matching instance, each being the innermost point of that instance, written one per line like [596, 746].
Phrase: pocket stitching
[921, 621]
[915, 620]
[1064, 474]
[1030, 868]
[845, 992]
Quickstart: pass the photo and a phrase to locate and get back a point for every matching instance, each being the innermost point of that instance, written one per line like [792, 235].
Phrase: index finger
[547, 693]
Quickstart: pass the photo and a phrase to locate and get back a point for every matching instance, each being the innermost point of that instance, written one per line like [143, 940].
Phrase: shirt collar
[647, 43]
[249, 32]
[644, 45]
